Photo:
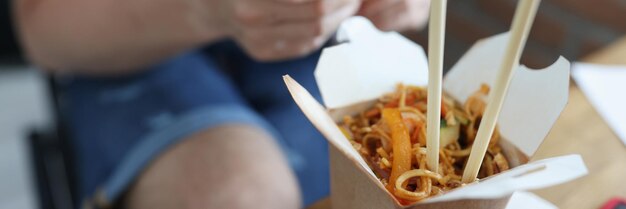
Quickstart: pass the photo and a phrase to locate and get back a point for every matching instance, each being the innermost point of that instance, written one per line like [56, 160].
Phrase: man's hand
[396, 15]
[272, 30]
[109, 37]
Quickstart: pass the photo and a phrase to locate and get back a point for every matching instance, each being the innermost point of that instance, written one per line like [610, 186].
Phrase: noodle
[391, 136]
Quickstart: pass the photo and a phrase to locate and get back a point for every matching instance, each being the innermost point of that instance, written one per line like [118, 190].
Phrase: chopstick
[436, 38]
[522, 22]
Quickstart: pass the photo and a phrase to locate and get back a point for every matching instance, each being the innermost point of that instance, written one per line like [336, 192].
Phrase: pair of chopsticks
[520, 27]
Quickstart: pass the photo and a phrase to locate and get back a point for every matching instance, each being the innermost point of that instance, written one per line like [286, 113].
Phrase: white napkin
[604, 86]
[524, 200]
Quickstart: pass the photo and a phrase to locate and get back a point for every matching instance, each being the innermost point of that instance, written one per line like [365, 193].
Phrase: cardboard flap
[369, 64]
[534, 175]
[534, 100]
[324, 123]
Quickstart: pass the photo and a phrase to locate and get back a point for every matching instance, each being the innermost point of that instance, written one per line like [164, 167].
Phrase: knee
[226, 167]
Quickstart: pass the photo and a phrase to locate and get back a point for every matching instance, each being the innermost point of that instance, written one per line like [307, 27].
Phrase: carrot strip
[444, 110]
[401, 145]
[416, 132]
[372, 112]
[392, 104]
[410, 99]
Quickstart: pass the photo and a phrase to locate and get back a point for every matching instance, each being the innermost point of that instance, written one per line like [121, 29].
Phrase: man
[180, 103]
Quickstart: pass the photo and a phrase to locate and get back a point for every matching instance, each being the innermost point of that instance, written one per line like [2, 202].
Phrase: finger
[406, 14]
[263, 13]
[295, 30]
[372, 7]
[419, 11]
[274, 49]
[295, 49]
[292, 40]
[309, 10]
[332, 21]
[280, 49]
[394, 17]
[294, 1]
[332, 6]
[308, 29]
[281, 11]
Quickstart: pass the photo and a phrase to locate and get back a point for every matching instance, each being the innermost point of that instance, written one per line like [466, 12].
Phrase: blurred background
[24, 107]
[572, 28]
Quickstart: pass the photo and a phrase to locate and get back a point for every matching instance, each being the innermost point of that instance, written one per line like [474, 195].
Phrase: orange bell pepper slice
[401, 145]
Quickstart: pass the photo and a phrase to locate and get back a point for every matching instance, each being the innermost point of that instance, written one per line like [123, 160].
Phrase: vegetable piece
[449, 134]
[401, 145]
[461, 117]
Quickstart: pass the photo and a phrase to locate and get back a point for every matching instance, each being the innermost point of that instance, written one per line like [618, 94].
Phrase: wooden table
[581, 130]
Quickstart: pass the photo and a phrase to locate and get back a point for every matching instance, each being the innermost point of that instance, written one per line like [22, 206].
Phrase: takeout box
[369, 63]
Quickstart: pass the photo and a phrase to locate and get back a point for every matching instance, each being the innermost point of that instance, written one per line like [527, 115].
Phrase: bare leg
[230, 166]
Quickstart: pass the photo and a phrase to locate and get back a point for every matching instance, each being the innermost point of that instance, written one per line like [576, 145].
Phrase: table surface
[581, 130]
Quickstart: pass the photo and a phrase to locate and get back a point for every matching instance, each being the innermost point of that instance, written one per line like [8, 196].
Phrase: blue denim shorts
[119, 125]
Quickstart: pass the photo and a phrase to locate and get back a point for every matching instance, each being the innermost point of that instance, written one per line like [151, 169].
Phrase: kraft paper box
[370, 63]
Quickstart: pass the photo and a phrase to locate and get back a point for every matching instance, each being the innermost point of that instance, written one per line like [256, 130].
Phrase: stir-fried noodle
[391, 136]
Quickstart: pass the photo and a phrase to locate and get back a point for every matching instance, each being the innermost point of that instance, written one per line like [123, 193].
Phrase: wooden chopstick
[522, 22]
[436, 40]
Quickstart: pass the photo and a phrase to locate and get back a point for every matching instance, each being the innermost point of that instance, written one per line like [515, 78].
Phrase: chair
[52, 159]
